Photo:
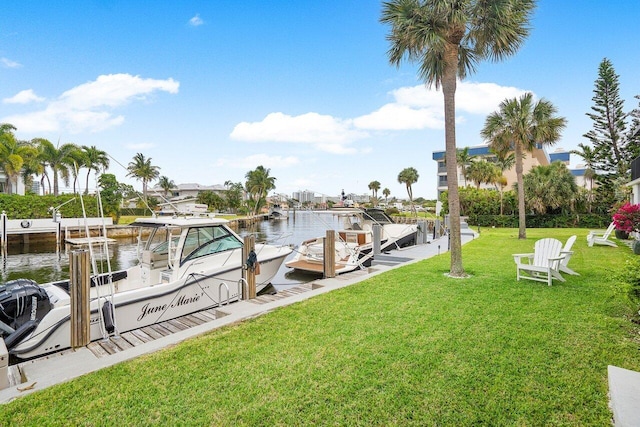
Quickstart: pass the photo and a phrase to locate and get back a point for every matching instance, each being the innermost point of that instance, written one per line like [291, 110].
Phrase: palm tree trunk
[522, 224]
[449, 92]
[55, 181]
[86, 186]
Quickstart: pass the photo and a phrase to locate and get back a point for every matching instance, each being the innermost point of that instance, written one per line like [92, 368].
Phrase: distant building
[539, 157]
[187, 190]
[16, 189]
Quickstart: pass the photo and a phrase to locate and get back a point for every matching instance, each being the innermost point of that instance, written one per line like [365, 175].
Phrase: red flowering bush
[627, 218]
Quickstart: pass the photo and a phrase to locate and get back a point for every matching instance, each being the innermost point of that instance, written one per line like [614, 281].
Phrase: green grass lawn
[408, 347]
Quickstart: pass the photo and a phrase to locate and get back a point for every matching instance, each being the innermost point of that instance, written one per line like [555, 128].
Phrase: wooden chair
[596, 237]
[566, 252]
[543, 265]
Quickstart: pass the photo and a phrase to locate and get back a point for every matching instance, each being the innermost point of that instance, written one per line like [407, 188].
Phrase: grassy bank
[409, 347]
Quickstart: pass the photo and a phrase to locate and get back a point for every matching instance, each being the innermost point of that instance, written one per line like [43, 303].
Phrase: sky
[209, 90]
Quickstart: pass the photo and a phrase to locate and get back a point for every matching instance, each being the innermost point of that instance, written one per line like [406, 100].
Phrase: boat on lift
[185, 265]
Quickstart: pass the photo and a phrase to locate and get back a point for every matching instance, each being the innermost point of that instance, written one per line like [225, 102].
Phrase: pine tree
[608, 136]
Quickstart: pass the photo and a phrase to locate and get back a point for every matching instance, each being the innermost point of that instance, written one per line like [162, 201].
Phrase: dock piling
[79, 290]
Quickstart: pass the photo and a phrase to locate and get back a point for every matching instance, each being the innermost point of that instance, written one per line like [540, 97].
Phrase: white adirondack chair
[567, 252]
[543, 265]
[596, 237]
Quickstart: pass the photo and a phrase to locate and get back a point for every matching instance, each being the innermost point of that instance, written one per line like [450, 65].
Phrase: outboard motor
[22, 305]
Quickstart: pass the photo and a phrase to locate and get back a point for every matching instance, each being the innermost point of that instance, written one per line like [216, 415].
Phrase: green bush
[592, 221]
[34, 206]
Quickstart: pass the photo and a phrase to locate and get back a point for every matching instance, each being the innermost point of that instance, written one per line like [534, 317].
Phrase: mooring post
[377, 238]
[250, 271]
[4, 231]
[329, 254]
[79, 290]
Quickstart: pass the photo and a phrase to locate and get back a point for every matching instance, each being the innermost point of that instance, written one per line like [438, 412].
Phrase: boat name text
[148, 309]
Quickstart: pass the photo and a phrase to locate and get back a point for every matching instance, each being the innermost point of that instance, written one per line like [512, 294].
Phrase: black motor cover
[22, 301]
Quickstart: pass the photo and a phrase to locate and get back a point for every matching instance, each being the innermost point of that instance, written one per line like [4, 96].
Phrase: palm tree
[464, 159]
[590, 159]
[549, 188]
[408, 177]
[13, 154]
[59, 159]
[483, 172]
[166, 184]
[374, 186]
[522, 125]
[94, 160]
[505, 161]
[386, 193]
[142, 170]
[40, 158]
[258, 185]
[448, 38]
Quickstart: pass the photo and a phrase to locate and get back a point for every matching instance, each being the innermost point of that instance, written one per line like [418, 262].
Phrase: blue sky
[212, 89]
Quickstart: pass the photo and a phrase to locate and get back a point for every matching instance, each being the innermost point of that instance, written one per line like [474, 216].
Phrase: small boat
[354, 242]
[278, 212]
[185, 265]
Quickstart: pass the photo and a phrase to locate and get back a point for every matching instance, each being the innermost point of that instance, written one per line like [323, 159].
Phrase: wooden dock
[130, 339]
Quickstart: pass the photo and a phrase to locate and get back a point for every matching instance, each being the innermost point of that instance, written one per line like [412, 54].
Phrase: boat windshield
[158, 241]
[203, 241]
[378, 216]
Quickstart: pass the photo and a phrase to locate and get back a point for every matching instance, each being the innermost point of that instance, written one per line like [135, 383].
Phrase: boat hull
[142, 307]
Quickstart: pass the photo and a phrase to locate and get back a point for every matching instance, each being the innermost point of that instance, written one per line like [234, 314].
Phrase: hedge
[594, 221]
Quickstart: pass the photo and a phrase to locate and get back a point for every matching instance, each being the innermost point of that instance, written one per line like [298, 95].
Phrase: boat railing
[220, 286]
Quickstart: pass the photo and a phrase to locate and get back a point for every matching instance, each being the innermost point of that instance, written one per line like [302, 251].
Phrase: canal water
[42, 263]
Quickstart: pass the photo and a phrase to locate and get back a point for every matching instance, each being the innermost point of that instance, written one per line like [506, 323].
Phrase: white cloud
[7, 63]
[23, 97]
[88, 107]
[413, 108]
[419, 107]
[325, 132]
[483, 98]
[396, 116]
[255, 160]
[196, 21]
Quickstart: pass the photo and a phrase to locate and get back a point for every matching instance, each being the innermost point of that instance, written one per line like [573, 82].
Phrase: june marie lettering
[148, 309]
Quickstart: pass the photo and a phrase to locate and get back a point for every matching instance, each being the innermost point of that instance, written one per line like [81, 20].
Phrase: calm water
[41, 262]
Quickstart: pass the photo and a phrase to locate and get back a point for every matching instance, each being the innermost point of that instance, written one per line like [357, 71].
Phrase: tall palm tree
[521, 125]
[142, 170]
[166, 184]
[447, 38]
[94, 160]
[408, 177]
[13, 154]
[258, 185]
[59, 159]
[374, 186]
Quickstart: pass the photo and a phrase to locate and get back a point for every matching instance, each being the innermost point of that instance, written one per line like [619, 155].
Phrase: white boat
[183, 264]
[278, 212]
[354, 242]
